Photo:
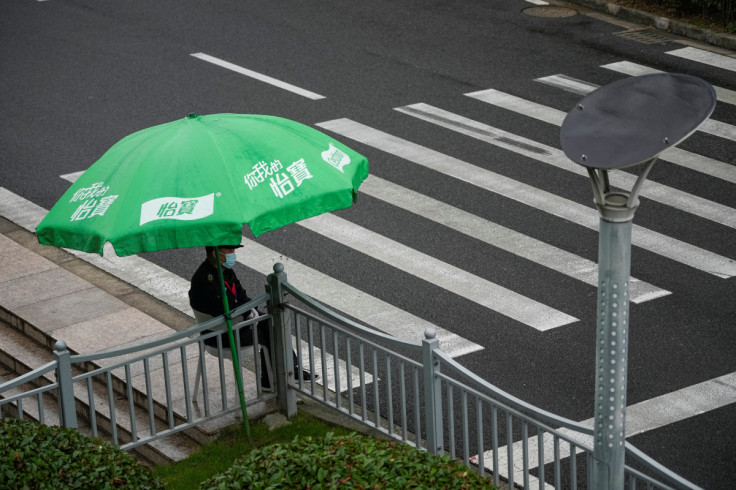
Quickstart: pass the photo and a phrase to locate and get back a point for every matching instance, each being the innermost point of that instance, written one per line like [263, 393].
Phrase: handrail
[376, 334]
[182, 334]
[371, 342]
[658, 468]
[28, 377]
[515, 402]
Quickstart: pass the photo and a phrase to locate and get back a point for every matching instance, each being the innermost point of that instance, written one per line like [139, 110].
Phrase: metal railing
[415, 393]
[139, 394]
[409, 391]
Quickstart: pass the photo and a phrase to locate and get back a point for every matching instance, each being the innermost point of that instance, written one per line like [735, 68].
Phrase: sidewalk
[598, 7]
[68, 299]
[49, 294]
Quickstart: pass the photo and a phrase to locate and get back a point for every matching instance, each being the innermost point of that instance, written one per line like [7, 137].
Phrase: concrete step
[84, 337]
[20, 355]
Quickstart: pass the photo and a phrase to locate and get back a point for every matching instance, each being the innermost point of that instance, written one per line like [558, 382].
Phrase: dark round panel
[632, 120]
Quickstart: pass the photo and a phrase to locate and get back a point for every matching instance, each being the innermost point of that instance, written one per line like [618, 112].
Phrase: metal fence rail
[139, 394]
[415, 393]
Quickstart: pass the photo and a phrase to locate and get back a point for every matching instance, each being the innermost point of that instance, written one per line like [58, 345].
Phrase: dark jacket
[205, 294]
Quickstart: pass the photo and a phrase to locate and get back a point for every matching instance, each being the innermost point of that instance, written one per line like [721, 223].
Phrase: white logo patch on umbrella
[182, 208]
[336, 158]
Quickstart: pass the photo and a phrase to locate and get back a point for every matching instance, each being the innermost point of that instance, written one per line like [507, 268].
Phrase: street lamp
[628, 122]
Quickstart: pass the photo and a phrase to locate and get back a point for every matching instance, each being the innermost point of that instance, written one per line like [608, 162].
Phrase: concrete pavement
[48, 294]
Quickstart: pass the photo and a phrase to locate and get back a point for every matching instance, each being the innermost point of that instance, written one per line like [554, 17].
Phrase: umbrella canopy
[198, 180]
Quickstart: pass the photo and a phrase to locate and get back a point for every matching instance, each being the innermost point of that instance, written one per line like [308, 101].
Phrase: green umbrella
[197, 181]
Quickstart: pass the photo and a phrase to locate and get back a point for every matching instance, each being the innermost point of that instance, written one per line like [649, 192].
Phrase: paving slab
[16, 261]
[70, 308]
[39, 286]
[117, 327]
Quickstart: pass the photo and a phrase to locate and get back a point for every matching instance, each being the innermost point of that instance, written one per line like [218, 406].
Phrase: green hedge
[35, 456]
[353, 461]
[721, 11]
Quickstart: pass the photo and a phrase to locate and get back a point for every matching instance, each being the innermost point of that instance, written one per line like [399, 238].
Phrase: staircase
[47, 295]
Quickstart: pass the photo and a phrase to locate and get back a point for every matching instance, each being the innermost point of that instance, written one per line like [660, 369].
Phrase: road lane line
[705, 57]
[566, 83]
[258, 76]
[710, 126]
[693, 161]
[658, 243]
[633, 69]
[342, 297]
[499, 236]
[466, 285]
[670, 196]
[641, 417]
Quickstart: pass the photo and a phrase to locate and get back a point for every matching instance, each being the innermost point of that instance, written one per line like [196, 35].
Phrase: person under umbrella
[205, 296]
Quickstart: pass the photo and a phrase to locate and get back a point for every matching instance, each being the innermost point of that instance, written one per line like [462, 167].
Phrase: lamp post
[628, 122]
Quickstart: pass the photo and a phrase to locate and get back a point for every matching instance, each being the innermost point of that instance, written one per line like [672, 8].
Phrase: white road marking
[585, 216]
[705, 57]
[629, 68]
[633, 69]
[342, 297]
[670, 196]
[693, 161]
[564, 82]
[499, 236]
[710, 126]
[457, 281]
[258, 76]
[641, 417]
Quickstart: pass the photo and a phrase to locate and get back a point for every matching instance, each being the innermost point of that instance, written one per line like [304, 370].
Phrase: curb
[721, 40]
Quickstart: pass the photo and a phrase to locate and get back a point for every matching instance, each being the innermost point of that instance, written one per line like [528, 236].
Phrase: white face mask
[229, 260]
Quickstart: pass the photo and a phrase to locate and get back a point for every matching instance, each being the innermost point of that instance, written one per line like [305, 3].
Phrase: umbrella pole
[233, 348]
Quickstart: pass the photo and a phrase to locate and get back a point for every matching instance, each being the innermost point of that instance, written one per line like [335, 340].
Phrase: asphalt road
[77, 76]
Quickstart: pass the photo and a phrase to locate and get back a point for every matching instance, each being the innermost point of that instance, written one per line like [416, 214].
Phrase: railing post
[67, 405]
[282, 342]
[432, 393]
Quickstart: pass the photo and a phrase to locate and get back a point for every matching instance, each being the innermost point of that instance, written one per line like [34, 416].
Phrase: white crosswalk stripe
[675, 198]
[705, 57]
[698, 163]
[650, 240]
[564, 82]
[499, 236]
[710, 126]
[628, 68]
[640, 417]
[457, 281]
[342, 297]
